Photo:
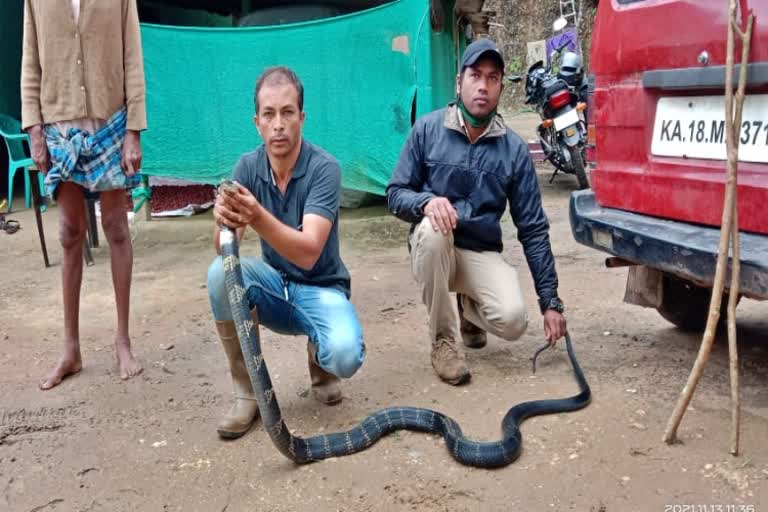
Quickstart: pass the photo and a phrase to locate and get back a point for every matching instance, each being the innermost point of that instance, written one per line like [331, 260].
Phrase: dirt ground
[98, 443]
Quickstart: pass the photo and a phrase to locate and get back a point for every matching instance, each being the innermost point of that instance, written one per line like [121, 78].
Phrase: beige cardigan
[86, 71]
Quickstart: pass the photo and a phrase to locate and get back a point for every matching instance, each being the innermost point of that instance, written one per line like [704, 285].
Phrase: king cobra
[303, 450]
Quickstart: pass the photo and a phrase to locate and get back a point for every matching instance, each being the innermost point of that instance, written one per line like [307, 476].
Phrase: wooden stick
[733, 354]
[670, 434]
[733, 162]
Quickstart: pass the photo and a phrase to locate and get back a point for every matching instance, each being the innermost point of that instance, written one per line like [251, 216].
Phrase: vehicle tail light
[560, 99]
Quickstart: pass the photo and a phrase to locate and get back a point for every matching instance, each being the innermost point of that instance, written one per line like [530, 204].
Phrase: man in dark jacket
[457, 170]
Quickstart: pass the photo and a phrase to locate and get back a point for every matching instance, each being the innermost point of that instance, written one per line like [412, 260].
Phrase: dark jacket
[478, 179]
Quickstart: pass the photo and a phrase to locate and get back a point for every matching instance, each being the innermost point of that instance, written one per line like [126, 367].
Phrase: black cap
[481, 48]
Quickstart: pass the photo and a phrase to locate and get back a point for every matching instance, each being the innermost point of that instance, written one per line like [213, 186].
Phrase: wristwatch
[554, 303]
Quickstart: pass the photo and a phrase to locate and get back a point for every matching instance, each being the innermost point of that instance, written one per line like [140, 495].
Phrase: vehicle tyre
[579, 169]
[686, 305]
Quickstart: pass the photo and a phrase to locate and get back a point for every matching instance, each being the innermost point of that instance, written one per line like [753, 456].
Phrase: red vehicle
[658, 113]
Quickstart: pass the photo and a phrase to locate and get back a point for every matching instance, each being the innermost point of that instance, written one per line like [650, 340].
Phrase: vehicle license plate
[564, 121]
[694, 127]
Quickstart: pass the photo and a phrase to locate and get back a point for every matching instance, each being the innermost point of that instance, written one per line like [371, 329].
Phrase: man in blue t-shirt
[288, 192]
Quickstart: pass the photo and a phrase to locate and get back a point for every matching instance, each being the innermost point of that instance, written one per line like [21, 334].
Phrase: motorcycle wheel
[579, 169]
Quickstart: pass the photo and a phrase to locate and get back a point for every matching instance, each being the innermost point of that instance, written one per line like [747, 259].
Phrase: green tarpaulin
[365, 76]
[11, 30]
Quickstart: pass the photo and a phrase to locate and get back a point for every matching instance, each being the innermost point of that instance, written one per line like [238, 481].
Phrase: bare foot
[69, 364]
[129, 366]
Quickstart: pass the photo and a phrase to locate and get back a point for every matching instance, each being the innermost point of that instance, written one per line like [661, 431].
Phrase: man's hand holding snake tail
[555, 326]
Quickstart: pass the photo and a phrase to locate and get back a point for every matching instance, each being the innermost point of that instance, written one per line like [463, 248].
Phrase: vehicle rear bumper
[685, 250]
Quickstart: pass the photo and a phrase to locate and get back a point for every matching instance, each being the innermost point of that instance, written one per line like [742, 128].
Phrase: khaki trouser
[492, 299]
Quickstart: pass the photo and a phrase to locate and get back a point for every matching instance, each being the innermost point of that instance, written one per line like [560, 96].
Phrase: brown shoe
[325, 386]
[472, 335]
[449, 362]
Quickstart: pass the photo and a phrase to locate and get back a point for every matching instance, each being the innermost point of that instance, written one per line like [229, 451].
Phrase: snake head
[227, 184]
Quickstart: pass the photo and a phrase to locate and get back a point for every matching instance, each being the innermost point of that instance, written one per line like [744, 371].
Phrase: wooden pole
[733, 125]
[733, 158]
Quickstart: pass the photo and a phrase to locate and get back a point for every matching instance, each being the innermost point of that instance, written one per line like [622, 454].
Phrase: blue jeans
[285, 307]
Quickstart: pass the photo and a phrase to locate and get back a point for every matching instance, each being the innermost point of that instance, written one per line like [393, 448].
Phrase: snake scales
[308, 449]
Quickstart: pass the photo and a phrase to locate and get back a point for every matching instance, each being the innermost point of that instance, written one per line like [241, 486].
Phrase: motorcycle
[559, 99]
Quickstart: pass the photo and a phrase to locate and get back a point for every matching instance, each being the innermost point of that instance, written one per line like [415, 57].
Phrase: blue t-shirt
[315, 187]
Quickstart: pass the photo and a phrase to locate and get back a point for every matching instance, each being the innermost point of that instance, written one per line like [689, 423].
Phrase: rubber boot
[244, 411]
[325, 386]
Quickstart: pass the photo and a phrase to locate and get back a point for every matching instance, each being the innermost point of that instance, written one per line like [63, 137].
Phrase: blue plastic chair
[10, 130]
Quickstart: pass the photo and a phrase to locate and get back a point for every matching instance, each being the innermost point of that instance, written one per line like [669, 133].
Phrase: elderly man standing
[83, 105]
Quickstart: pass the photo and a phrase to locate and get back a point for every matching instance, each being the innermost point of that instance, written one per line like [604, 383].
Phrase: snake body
[380, 423]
